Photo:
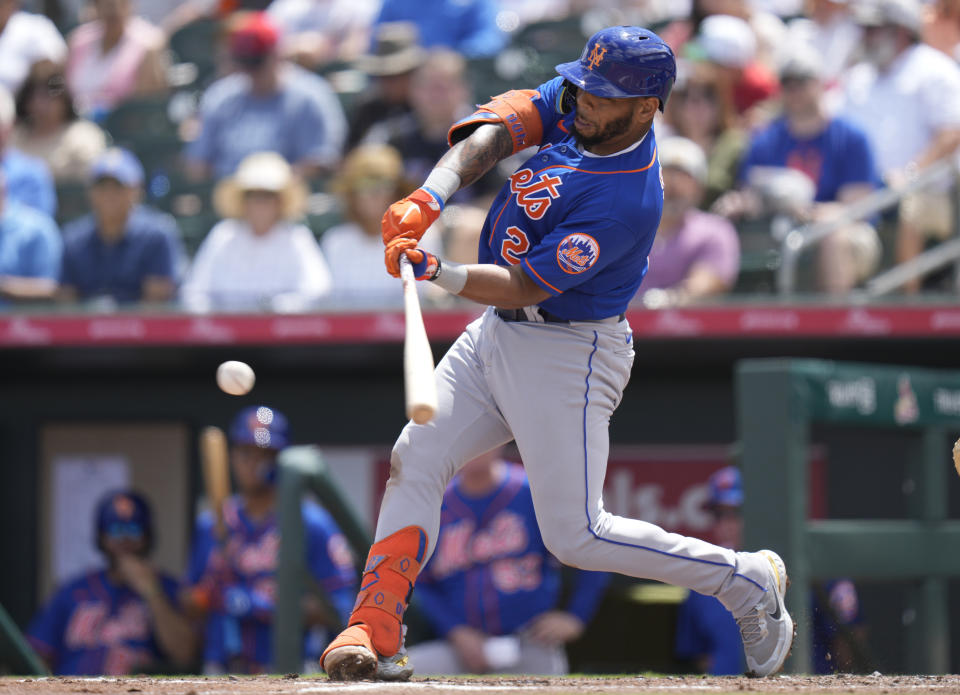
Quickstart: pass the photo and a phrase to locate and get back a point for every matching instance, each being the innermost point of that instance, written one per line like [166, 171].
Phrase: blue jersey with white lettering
[581, 225]
[94, 627]
[239, 576]
[491, 570]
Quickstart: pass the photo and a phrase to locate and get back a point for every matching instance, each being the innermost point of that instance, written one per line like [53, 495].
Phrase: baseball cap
[902, 13]
[124, 513]
[119, 164]
[801, 62]
[727, 41]
[253, 38]
[725, 488]
[260, 426]
[683, 154]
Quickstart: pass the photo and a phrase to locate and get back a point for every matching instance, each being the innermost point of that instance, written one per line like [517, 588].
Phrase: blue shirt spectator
[95, 267]
[467, 26]
[29, 181]
[832, 158]
[30, 249]
[122, 250]
[268, 106]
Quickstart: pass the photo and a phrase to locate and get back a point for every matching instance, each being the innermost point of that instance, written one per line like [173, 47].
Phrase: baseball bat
[419, 383]
[216, 473]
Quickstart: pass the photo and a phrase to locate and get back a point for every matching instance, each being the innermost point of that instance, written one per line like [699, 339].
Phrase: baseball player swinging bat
[419, 383]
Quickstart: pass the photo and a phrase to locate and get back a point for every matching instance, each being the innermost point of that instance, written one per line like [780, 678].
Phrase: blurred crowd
[237, 155]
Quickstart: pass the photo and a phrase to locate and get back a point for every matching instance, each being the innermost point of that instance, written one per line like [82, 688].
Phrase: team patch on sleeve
[577, 253]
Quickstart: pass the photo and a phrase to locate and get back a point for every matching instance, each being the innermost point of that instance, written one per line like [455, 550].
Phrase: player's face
[119, 541]
[251, 467]
[728, 528]
[605, 125]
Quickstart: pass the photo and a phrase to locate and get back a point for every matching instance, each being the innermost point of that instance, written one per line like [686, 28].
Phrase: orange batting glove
[411, 217]
[391, 254]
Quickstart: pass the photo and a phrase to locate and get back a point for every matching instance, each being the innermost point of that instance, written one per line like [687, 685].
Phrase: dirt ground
[292, 685]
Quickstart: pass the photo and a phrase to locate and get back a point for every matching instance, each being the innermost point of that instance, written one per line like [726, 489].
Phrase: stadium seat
[196, 43]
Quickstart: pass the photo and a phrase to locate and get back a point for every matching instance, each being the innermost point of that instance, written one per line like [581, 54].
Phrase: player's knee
[569, 545]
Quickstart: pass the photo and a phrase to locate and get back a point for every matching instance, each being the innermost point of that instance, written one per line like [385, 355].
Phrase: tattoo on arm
[477, 154]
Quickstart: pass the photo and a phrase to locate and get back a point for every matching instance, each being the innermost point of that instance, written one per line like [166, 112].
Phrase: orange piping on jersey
[586, 171]
[527, 263]
[493, 228]
[562, 127]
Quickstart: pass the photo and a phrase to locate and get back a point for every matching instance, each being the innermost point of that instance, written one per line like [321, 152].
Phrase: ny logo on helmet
[596, 56]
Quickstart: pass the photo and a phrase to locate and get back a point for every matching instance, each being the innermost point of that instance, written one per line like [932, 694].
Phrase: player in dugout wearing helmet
[563, 249]
[232, 577]
[122, 619]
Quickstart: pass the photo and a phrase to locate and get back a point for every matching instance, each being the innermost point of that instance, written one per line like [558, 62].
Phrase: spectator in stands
[698, 110]
[695, 254]
[439, 96]
[370, 179]
[28, 180]
[729, 43]
[316, 32]
[707, 635]
[113, 58]
[491, 590]
[30, 249]
[48, 126]
[396, 54]
[833, 153]
[468, 27]
[120, 620]
[829, 28]
[270, 105]
[123, 252]
[233, 566]
[25, 39]
[258, 257]
[906, 97]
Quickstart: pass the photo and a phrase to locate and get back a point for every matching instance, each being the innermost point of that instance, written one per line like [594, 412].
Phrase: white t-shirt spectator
[26, 39]
[360, 280]
[902, 109]
[234, 270]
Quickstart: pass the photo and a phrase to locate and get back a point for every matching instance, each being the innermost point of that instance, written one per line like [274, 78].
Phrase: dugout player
[122, 619]
[491, 590]
[563, 249]
[232, 578]
[707, 636]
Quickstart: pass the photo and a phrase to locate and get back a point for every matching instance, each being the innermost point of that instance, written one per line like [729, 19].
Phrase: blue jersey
[835, 157]
[93, 627]
[240, 575]
[491, 570]
[581, 225]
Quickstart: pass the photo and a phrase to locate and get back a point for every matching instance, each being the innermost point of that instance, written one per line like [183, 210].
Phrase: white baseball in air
[235, 378]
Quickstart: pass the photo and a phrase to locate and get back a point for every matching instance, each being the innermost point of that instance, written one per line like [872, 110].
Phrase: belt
[521, 315]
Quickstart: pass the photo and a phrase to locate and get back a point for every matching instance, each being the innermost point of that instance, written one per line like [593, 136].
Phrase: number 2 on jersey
[515, 246]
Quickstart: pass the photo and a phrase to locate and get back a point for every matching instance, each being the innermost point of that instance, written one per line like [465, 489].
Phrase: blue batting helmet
[261, 426]
[124, 513]
[624, 62]
[726, 488]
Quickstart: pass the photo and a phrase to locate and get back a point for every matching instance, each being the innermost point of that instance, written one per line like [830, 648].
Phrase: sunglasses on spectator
[698, 94]
[125, 531]
[54, 87]
[794, 81]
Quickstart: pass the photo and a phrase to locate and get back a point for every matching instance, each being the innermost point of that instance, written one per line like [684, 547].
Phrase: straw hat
[261, 171]
[396, 50]
[369, 162]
